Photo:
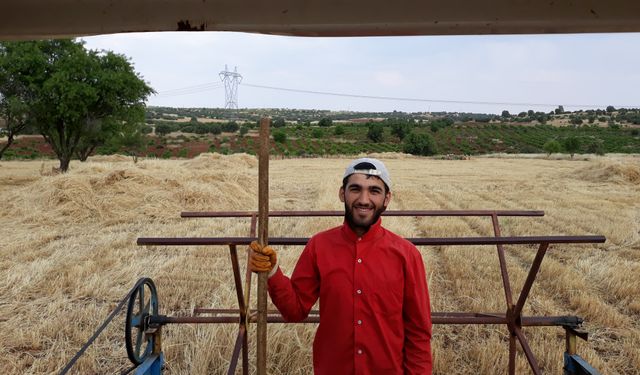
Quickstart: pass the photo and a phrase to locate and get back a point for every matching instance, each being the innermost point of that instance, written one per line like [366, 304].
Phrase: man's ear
[387, 199]
[341, 194]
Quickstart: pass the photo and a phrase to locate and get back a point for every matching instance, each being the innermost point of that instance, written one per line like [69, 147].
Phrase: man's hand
[263, 258]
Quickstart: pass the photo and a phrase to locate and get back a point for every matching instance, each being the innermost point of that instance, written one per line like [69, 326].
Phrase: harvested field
[68, 255]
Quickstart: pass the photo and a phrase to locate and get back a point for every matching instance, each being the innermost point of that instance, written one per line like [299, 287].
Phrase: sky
[480, 74]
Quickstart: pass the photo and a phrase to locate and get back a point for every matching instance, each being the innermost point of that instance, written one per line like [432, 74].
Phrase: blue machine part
[152, 365]
[576, 365]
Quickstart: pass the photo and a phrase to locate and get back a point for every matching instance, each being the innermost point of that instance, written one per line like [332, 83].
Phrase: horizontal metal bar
[162, 319]
[341, 213]
[273, 316]
[200, 310]
[219, 241]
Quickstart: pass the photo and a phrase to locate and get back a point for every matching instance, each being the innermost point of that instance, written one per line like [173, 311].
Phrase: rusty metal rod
[200, 311]
[503, 263]
[531, 277]
[437, 318]
[303, 213]
[531, 358]
[162, 319]
[263, 239]
[512, 354]
[506, 284]
[442, 241]
[242, 332]
[247, 299]
[236, 278]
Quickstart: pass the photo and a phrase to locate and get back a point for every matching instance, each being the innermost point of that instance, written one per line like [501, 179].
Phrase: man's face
[364, 200]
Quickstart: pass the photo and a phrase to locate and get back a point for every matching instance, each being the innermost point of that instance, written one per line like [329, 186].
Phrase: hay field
[68, 254]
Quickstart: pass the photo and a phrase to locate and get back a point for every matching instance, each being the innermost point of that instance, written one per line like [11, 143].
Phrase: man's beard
[348, 215]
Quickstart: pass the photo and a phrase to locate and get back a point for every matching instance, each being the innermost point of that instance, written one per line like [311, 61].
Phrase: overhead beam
[30, 19]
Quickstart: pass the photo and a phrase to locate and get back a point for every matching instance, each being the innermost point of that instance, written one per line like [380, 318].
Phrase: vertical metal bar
[236, 278]
[571, 339]
[263, 221]
[245, 352]
[503, 263]
[512, 353]
[236, 351]
[254, 221]
[531, 277]
[242, 331]
[507, 294]
[247, 297]
[533, 363]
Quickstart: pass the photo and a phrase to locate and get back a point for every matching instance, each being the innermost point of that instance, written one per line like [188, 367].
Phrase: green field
[310, 140]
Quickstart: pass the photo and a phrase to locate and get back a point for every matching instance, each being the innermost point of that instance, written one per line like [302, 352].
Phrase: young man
[375, 315]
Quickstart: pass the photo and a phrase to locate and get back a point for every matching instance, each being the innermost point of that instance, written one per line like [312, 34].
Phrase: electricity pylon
[231, 81]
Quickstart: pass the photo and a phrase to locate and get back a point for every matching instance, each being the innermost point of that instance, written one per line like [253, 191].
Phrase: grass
[68, 255]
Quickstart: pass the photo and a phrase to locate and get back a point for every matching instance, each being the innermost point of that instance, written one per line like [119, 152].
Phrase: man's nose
[363, 197]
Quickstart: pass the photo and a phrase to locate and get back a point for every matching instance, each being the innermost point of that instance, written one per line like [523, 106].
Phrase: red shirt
[375, 316]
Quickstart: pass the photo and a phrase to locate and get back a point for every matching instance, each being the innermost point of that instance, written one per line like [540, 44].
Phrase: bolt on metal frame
[512, 318]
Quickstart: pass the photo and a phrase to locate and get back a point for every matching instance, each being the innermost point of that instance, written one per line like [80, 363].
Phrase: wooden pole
[263, 238]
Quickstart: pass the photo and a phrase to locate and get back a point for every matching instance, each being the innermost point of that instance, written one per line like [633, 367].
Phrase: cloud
[389, 78]
[584, 69]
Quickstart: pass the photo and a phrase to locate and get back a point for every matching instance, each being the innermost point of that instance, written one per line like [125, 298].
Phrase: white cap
[371, 167]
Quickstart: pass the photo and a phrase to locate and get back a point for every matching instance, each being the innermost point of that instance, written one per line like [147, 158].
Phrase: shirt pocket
[388, 294]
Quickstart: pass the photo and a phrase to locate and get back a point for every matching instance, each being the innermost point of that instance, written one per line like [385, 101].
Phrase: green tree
[419, 144]
[400, 130]
[77, 98]
[324, 122]
[596, 147]
[317, 133]
[130, 140]
[552, 147]
[338, 130]
[229, 127]
[506, 114]
[278, 123]
[280, 136]
[572, 145]
[15, 113]
[164, 129]
[375, 132]
[576, 120]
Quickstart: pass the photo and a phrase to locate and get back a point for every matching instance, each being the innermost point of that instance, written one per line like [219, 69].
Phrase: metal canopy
[32, 19]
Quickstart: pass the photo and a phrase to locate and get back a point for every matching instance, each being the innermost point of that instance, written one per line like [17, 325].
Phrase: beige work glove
[262, 259]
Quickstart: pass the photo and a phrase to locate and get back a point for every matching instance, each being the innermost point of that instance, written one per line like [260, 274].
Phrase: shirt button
[359, 291]
[359, 322]
[359, 260]
[359, 351]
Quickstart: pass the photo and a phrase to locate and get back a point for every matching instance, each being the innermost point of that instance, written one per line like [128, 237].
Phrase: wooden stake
[263, 239]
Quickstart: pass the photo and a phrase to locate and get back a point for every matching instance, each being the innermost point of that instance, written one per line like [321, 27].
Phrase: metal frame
[512, 318]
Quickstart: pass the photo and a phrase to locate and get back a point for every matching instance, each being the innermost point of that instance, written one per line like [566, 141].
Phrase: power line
[404, 99]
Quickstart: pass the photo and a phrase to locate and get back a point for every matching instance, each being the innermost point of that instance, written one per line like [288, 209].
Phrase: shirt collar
[374, 232]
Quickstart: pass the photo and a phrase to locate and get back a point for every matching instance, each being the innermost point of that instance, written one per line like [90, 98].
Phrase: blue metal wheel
[143, 303]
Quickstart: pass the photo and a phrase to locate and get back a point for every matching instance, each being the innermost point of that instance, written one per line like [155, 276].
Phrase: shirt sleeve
[294, 297]
[417, 318]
